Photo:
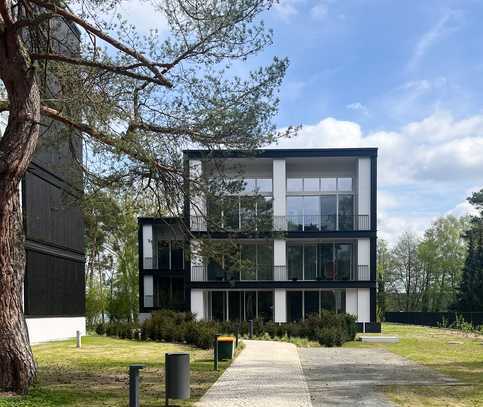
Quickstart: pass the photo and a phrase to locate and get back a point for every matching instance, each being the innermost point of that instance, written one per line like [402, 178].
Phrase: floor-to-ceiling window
[247, 261]
[238, 305]
[250, 208]
[320, 261]
[294, 306]
[302, 303]
[318, 204]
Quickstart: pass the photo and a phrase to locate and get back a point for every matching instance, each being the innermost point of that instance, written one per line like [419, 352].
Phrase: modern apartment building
[297, 235]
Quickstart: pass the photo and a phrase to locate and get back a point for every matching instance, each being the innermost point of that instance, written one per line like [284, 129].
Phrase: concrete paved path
[350, 377]
[265, 374]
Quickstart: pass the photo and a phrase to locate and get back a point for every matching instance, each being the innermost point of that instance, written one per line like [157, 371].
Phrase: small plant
[443, 323]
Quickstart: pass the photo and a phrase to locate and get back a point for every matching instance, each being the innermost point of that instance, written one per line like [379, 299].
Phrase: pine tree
[465, 299]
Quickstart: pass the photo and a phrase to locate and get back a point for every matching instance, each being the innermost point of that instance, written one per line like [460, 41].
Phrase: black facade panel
[54, 286]
[52, 215]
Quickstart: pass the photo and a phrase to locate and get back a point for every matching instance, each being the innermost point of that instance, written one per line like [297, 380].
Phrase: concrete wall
[280, 259]
[280, 305]
[364, 255]
[351, 301]
[279, 192]
[363, 305]
[364, 186]
[148, 290]
[55, 328]
[198, 201]
[148, 246]
[198, 304]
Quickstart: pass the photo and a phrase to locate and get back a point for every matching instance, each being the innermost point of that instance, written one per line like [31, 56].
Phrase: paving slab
[265, 374]
[352, 377]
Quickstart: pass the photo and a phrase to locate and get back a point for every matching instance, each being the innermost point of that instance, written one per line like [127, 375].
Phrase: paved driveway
[350, 377]
[265, 374]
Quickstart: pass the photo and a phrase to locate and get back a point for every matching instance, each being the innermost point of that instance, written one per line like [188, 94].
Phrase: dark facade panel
[54, 286]
[52, 215]
[283, 153]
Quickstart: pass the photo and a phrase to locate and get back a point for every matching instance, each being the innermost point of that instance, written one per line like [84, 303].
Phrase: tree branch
[98, 65]
[110, 40]
[107, 140]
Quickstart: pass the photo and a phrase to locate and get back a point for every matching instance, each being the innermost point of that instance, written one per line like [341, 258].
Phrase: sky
[403, 76]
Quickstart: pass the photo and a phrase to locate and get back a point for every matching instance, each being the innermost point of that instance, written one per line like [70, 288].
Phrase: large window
[166, 292]
[323, 204]
[294, 306]
[321, 261]
[170, 255]
[302, 304]
[240, 305]
[244, 212]
[249, 261]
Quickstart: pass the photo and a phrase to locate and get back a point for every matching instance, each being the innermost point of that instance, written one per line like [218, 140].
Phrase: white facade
[53, 329]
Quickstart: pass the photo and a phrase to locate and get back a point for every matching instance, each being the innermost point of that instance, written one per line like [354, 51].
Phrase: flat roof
[284, 153]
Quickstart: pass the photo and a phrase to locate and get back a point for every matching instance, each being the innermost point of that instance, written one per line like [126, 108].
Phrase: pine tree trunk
[17, 366]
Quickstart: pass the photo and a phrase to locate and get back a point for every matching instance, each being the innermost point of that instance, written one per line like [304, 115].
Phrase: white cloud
[422, 168]
[288, 8]
[358, 107]
[320, 10]
[143, 14]
[462, 209]
[430, 37]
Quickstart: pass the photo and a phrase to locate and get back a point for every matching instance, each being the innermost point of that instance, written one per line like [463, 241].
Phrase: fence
[433, 318]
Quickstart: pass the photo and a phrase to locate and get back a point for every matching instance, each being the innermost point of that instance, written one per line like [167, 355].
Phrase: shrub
[101, 329]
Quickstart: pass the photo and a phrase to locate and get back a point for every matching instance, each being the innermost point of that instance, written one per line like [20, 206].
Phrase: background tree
[470, 293]
[143, 99]
[384, 264]
[405, 275]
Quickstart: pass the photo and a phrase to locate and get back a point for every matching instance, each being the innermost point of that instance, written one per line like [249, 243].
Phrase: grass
[96, 374]
[430, 347]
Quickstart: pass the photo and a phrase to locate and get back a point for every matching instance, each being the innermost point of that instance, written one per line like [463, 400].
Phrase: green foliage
[331, 336]
[182, 327]
[422, 274]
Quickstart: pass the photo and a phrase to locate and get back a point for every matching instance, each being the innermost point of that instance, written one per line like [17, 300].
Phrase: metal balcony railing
[290, 223]
[259, 273]
[363, 272]
[148, 301]
[322, 223]
[276, 273]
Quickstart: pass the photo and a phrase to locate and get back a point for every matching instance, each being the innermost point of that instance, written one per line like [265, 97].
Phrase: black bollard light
[250, 329]
[215, 352]
[134, 385]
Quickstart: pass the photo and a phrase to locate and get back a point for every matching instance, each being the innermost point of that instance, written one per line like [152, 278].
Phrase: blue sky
[403, 76]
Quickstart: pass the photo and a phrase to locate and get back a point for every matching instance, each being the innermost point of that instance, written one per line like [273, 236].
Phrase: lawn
[97, 374]
[431, 347]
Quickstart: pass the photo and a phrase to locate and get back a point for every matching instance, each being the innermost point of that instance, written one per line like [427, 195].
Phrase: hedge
[328, 328]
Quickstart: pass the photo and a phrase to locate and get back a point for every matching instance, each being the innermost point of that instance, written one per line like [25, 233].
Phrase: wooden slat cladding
[52, 215]
[54, 286]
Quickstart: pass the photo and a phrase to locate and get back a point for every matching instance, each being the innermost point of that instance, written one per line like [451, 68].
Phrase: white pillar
[198, 304]
[363, 259]
[364, 193]
[148, 246]
[351, 301]
[280, 260]
[279, 195]
[197, 198]
[363, 305]
[280, 305]
[198, 272]
[148, 300]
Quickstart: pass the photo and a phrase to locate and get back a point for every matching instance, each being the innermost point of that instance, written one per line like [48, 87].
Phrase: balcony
[273, 273]
[289, 223]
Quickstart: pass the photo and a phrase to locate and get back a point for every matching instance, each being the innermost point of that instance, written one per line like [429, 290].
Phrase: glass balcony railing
[290, 223]
[274, 273]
